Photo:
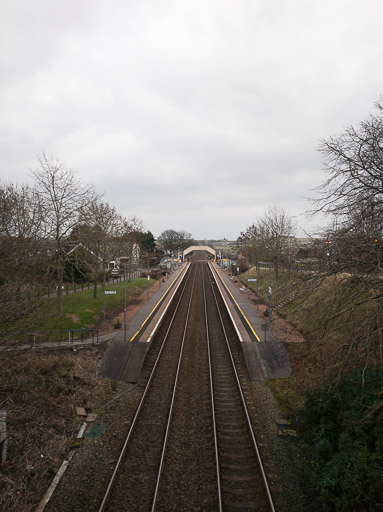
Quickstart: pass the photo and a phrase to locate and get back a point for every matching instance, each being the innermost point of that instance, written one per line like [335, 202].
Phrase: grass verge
[81, 309]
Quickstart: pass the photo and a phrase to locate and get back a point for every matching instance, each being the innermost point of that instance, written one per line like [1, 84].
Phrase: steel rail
[220, 506]
[170, 414]
[139, 408]
[243, 400]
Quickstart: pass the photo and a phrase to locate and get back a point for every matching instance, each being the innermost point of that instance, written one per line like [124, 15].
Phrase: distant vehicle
[115, 272]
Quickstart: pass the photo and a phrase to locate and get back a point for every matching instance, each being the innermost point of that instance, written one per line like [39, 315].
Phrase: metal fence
[68, 288]
[16, 340]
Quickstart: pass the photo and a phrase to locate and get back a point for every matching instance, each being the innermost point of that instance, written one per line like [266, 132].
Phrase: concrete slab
[96, 431]
[133, 367]
[91, 418]
[3, 426]
[254, 362]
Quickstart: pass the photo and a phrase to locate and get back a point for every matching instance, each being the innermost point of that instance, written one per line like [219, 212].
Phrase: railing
[16, 340]
[68, 288]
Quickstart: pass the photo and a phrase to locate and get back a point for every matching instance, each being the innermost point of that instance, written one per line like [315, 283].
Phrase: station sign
[107, 292]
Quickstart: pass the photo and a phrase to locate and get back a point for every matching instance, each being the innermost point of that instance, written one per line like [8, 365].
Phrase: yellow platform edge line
[149, 315]
[242, 313]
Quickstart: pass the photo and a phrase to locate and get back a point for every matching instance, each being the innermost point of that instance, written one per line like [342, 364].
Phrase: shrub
[340, 428]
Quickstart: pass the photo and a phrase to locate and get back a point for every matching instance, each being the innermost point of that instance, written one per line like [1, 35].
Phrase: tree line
[57, 226]
[269, 239]
[351, 244]
[340, 423]
[175, 241]
[351, 198]
[340, 419]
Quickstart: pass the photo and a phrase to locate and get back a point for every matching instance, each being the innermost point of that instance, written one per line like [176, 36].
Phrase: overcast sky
[194, 115]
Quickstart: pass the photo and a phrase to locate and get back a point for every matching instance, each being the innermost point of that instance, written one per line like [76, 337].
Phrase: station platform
[264, 353]
[126, 353]
[265, 356]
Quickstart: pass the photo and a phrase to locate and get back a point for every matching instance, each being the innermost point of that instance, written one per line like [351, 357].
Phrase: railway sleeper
[227, 401]
[240, 478]
[242, 467]
[245, 506]
[239, 443]
[234, 423]
[242, 493]
[234, 455]
[230, 430]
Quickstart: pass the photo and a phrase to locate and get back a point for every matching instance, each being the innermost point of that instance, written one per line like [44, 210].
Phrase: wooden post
[3, 436]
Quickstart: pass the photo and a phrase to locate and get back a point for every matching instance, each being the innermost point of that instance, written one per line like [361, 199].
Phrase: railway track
[191, 445]
[242, 482]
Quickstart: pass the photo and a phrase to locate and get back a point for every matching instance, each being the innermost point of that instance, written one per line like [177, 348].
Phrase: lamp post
[125, 302]
[248, 277]
[289, 235]
[147, 289]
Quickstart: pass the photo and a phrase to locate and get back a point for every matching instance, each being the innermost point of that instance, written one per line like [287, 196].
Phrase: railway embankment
[334, 392]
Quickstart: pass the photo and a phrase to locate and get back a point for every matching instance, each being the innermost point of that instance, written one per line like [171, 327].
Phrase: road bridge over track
[193, 248]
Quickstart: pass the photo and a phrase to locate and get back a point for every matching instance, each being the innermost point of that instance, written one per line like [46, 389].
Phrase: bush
[341, 429]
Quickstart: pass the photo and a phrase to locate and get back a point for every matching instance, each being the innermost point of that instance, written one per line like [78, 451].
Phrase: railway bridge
[194, 248]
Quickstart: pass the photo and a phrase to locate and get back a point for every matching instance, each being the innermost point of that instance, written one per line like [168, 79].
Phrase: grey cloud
[191, 115]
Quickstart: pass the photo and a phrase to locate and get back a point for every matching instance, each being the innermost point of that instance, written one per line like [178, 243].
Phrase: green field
[226, 250]
[80, 309]
[265, 279]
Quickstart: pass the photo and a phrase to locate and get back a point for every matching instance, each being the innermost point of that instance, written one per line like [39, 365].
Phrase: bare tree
[105, 236]
[354, 164]
[172, 240]
[275, 229]
[64, 199]
[169, 240]
[351, 261]
[132, 236]
[21, 251]
[269, 238]
[249, 243]
[185, 239]
[83, 263]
